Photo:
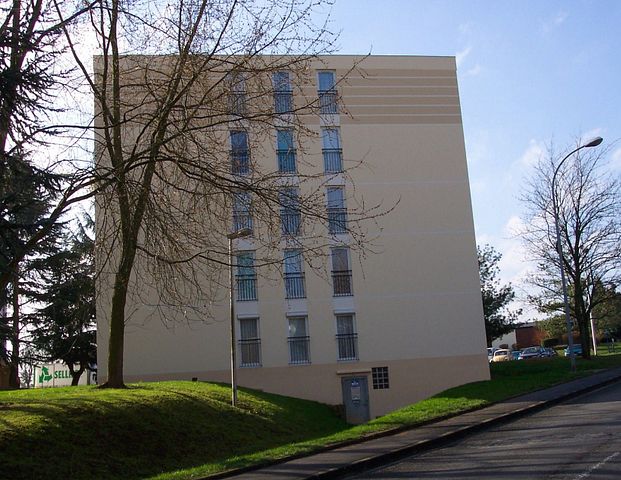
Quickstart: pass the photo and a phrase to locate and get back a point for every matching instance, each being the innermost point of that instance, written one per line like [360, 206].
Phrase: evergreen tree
[496, 297]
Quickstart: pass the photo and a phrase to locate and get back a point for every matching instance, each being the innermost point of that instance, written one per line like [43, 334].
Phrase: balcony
[290, 222]
[332, 160]
[327, 101]
[337, 220]
[241, 221]
[299, 350]
[246, 287]
[295, 285]
[347, 344]
[250, 352]
[283, 101]
[237, 104]
[240, 162]
[341, 282]
[286, 161]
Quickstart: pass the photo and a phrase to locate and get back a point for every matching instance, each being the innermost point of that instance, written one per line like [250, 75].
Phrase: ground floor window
[380, 378]
[249, 342]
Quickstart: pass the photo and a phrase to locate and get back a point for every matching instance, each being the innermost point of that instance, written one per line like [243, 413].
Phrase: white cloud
[556, 21]
[559, 18]
[461, 56]
[532, 154]
[474, 71]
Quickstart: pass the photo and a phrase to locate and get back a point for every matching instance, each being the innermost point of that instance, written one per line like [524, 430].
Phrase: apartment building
[372, 329]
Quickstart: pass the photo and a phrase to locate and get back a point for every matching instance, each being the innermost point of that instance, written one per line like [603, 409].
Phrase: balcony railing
[337, 220]
[240, 162]
[290, 222]
[286, 161]
[283, 101]
[327, 101]
[299, 350]
[237, 103]
[332, 160]
[347, 344]
[295, 285]
[250, 352]
[246, 287]
[341, 282]
[241, 221]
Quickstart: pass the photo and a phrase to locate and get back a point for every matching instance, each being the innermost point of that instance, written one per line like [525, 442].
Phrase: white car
[490, 353]
[501, 355]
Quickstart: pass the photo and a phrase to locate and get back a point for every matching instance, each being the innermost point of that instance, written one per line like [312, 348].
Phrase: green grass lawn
[186, 430]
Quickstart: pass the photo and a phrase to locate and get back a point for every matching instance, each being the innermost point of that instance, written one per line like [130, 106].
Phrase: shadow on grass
[171, 429]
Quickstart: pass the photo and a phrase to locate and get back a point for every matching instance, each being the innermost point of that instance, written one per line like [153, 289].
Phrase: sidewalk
[367, 454]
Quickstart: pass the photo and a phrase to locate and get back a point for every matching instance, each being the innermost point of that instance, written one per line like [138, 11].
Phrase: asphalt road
[578, 440]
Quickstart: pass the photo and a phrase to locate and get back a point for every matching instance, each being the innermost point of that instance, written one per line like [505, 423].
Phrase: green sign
[45, 375]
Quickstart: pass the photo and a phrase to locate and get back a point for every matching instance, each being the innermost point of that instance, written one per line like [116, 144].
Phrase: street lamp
[244, 232]
[570, 340]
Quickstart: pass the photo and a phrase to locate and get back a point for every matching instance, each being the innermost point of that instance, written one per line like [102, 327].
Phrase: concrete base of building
[409, 380]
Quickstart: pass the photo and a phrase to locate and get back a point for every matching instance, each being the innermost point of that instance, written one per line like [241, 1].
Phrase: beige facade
[406, 315]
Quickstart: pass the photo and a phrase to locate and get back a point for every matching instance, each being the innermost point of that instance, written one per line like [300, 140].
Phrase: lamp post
[570, 340]
[244, 232]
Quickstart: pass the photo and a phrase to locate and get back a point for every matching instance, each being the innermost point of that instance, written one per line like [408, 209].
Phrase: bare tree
[589, 210]
[177, 87]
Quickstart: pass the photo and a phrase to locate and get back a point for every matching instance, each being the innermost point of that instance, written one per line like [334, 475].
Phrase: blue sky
[529, 72]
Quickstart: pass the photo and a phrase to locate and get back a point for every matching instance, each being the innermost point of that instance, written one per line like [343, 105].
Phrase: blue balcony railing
[332, 160]
[246, 287]
[337, 220]
[286, 161]
[290, 222]
[299, 350]
[341, 283]
[347, 344]
[283, 101]
[240, 162]
[250, 352]
[327, 101]
[295, 285]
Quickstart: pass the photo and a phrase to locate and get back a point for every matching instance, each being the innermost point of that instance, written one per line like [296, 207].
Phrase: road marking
[596, 466]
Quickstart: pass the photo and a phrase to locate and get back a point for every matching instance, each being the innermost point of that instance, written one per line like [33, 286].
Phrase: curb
[423, 445]
[443, 439]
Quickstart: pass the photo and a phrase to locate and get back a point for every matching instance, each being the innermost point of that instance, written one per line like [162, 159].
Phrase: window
[341, 273]
[327, 93]
[299, 341]
[283, 95]
[380, 378]
[337, 213]
[294, 276]
[246, 277]
[346, 337]
[237, 95]
[290, 215]
[242, 217]
[249, 342]
[285, 151]
[332, 153]
[240, 156]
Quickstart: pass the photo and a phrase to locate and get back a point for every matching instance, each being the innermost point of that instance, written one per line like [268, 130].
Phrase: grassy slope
[185, 430]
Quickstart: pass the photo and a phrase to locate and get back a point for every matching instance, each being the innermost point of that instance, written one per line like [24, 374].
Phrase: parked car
[501, 355]
[530, 352]
[490, 353]
[577, 350]
[549, 352]
[515, 354]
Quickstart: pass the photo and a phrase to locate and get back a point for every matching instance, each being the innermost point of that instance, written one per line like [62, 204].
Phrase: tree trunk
[75, 375]
[582, 319]
[14, 363]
